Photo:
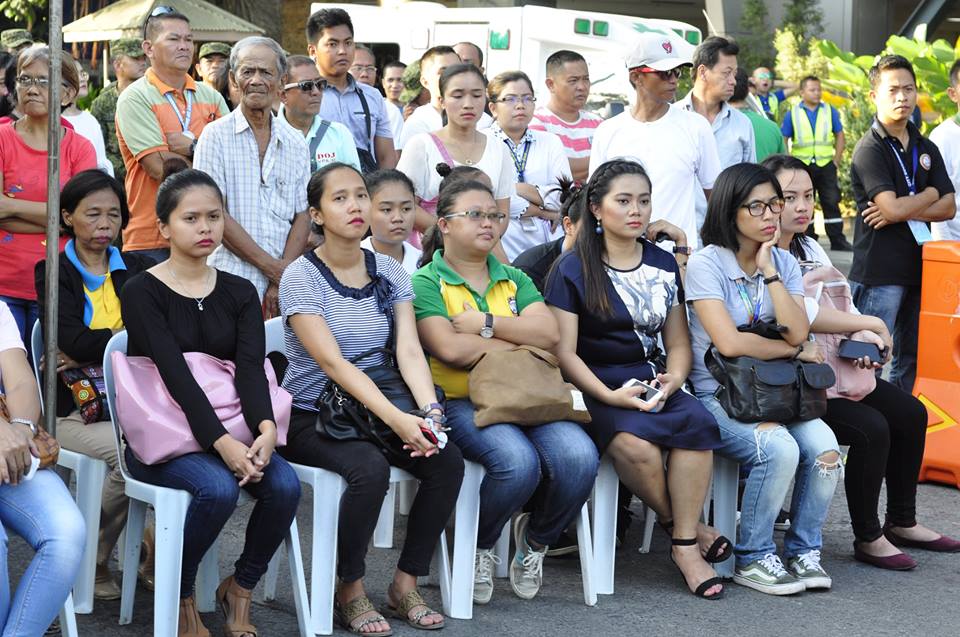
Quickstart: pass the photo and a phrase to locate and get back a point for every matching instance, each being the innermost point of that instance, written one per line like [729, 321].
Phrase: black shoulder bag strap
[366, 117]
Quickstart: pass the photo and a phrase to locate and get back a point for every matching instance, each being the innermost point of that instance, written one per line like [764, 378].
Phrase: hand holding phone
[651, 396]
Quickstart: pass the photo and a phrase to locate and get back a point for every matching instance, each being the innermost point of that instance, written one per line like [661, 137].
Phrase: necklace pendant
[200, 305]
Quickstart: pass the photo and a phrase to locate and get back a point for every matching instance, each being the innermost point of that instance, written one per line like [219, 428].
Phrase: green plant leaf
[943, 52]
[847, 72]
[865, 62]
[908, 48]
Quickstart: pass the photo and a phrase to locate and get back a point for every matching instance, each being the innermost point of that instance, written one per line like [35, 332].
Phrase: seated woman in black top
[182, 305]
[338, 302]
[92, 273]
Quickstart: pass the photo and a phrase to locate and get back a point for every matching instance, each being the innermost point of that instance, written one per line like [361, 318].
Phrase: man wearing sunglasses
[675, 146]
[301, 96]
[714, 80]
[160, 117]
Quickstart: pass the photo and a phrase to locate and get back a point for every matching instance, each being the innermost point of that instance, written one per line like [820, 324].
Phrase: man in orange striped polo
[160, 117]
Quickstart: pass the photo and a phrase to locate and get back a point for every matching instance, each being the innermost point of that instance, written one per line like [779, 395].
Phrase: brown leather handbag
[523, 386]
[46, 444]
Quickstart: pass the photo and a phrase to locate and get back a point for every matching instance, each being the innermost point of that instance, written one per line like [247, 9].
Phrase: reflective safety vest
[811, 146]
[773, 103]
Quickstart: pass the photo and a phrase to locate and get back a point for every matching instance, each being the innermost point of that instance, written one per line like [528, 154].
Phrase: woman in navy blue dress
[616, 297]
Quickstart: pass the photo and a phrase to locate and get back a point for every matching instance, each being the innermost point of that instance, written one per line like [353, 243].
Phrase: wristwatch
[27, 422]
[687, 250]
[487, 330]
[772, 279]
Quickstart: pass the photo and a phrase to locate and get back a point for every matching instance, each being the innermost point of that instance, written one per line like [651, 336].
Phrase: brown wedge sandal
[407, 603]
[235, 600]
[188, 623]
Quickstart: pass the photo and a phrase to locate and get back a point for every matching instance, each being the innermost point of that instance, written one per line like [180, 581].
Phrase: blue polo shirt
[346, 107]
[787, 127]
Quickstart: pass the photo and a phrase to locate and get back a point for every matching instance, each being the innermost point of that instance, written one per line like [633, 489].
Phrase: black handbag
[780, 390]
[340, 416]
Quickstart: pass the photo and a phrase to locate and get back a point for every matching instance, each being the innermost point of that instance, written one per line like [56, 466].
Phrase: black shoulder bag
[368, 162]
[341, 416]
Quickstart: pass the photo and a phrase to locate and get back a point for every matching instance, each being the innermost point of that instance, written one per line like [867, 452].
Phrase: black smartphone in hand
[855, 350]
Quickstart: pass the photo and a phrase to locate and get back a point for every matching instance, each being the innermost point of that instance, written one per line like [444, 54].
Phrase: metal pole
[50, 384]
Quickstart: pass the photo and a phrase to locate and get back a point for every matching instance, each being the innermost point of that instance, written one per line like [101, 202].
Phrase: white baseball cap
[660, 52]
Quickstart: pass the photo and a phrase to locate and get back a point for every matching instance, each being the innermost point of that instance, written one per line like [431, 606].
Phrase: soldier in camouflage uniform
[129, 64]
[15, 40]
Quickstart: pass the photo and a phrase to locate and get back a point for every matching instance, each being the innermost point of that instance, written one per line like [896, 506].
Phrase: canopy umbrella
[125, 19]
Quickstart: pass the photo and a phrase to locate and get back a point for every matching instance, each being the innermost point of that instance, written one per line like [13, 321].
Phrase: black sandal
[715, 554]
[704, 586]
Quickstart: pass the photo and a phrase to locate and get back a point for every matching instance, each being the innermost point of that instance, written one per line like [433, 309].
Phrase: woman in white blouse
[538, 158]
[458, 143]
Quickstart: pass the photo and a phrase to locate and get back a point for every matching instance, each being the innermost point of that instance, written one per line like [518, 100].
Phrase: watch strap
[772, 279]
[687, 250]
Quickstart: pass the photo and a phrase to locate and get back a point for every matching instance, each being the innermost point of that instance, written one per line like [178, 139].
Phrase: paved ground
[650, 596]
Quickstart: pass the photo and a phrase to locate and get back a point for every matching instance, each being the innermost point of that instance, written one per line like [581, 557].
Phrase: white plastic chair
[604, 500]
[91, 473]
[170, 506]
[327, 487]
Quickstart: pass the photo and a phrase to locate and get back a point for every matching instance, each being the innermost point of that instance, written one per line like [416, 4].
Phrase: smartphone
[855, 350]
[652, 394]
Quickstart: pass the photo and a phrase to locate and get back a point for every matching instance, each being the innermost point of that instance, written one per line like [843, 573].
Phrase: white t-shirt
[411, 254]
[87, 126]
[426, 119]
[947, 138]
[395, 115]
[546, 165]
[420, 158]
[679, 153]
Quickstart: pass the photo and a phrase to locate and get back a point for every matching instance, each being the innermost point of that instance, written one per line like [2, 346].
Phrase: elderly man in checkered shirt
[262, 166]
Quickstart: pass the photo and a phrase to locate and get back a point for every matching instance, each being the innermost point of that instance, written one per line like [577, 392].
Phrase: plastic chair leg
[459, 605]
[649, 520]
[326, 515]
[726, 476]
[171, 512]
[270, 579]
[91, 474]
[584, 541]
[383, 534]
[605, 526]
[133, 536]
[68, 619]
[407, 492]
[502, 550]
[298, 583]
[208, 578]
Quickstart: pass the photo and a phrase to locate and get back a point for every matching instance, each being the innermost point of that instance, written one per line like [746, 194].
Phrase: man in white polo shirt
[714, 79]
[675, 146]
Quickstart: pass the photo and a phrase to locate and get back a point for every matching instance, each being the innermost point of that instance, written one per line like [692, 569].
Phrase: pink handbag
[154, 424]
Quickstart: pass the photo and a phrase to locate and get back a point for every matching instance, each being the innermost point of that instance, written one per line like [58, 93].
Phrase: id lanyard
[754, 308]
[919, 229]
[184, 119]
[520, 163]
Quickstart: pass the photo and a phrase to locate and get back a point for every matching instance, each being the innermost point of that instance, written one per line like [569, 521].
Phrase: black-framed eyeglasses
[757, 208]
[477, 215]
[673, 74]
[513, 100]
[307, 86]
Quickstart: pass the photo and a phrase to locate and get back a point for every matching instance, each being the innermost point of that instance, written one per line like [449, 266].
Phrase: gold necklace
[467, 161]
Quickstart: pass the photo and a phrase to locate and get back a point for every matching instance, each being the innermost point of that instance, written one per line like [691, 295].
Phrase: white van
[513, 37]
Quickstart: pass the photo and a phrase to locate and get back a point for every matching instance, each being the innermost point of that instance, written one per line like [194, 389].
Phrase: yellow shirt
[106, 306]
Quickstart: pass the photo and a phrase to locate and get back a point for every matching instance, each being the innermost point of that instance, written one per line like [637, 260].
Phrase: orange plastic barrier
[938, 361]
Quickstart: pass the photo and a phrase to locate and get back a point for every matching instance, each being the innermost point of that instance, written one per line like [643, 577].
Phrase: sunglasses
[307, 86]
[672, 74]
[158, 11]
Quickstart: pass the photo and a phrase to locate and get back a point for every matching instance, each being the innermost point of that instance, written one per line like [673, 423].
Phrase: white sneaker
[526, 568]
[483, 564]
[806, 568]
[767, 575]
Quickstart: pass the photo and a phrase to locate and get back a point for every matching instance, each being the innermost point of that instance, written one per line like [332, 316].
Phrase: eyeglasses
[359, 68]
[673, 74]
[42, 83]
[307, 86]
[477, 215]
[84, 76]
[513, 100]
[756, 208]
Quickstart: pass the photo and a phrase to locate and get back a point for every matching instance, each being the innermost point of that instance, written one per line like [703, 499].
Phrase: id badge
[529, 224]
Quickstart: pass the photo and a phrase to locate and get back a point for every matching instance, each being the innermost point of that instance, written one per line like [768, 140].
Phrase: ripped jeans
[773, 457]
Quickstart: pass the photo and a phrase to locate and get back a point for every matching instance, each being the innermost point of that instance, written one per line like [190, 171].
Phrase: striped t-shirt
[351, 314]
[576, 136]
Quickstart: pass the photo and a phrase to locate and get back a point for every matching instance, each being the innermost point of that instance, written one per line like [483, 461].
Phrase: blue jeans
[157, 254]
[516, 459]
[25, 313]
[771, 458]
[215, 491]
[42, 512]
[898, 306]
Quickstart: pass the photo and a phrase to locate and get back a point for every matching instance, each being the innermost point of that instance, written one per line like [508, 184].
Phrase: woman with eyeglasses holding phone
[23, 161]
[741, 278]
[301, 95]
[538, 158]
[468, 303]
